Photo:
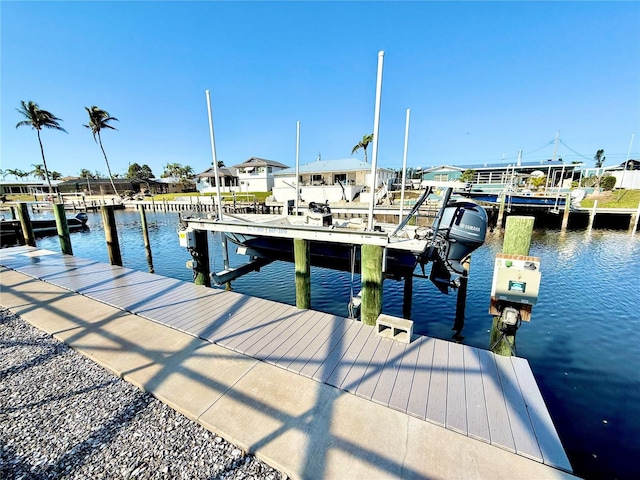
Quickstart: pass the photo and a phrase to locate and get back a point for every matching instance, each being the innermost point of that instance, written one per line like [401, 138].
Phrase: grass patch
[614, 199]
[226, 197]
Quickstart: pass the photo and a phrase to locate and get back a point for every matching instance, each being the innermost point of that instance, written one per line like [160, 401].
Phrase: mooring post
[25, 223]
[63, 228]
[501, 212]
[633, 221]
[302, 257]
[145, 236]
[461, 300]
[201, 270]
[371, 275]
[407, 297]
[567, 209]
[517, 240]
[111, 234]
[592, 214]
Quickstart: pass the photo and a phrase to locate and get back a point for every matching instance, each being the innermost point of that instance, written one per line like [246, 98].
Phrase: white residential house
[329, 180]
[257, 174]
[228, 179]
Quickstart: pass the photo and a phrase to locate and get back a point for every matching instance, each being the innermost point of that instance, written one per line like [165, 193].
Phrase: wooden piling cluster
[517, 240]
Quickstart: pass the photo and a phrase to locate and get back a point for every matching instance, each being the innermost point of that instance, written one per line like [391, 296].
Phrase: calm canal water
[582, 342]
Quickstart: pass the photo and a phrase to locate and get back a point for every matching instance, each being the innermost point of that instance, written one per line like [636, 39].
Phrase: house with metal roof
[257, 174]
[328, 180]
[498, 175]
[227, 177]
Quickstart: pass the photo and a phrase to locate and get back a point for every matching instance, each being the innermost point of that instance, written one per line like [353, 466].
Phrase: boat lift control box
[187, 238]
[516, 278]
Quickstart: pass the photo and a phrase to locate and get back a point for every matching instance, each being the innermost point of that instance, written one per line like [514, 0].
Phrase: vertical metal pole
[213, 157]
[297, 166]
[404, 165]
[376, 128]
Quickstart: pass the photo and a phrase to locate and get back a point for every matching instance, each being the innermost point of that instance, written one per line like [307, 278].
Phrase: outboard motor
[464, 227]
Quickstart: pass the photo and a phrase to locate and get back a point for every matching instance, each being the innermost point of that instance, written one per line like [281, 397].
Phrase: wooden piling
[302, 257]
[565, 214]
[25, 223]
[461, 300]
[111, 234]
[201, 270]
[371, 275]
[517, 240]
[592, 215]
[145, 236]
[63, 228]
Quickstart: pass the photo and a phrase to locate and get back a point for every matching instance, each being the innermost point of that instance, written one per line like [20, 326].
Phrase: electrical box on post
[516, 280]
[187, 238]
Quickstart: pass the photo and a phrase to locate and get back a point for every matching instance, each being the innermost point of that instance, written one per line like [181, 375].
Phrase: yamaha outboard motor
[464, 227]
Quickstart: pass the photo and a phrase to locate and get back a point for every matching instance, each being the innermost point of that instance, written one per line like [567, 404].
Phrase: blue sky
[482, 79]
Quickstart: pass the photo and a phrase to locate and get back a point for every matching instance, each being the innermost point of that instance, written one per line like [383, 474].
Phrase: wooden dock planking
[468, 390]
[335, 357]
[261, 348]
[387, 380]
[373, 372]
[302, 342]
[548, 440]
[402, 388]
[456, 413]
[346, 362]
[309, 353]
[419, 394]
[253, 326]
[477, 421]
[437, 402]
[519, 421]
[356, 372]
[278, 353]
[216, 311]
[499, 426]
[324, 359]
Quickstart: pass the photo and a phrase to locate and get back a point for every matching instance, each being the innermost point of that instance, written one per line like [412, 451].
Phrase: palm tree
[38, 172]
[364, 143]
[599, 158]
[39, 119]
[99, 119]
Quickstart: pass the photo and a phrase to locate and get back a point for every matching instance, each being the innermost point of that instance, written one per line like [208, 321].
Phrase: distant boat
[10, 230]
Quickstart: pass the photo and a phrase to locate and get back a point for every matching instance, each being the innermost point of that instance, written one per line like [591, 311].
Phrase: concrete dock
[217, 373]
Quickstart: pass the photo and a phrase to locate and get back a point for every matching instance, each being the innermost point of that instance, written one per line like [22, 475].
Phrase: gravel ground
[63, 416]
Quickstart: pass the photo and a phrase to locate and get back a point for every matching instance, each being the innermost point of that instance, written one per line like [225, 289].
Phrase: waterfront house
[27, 187]
[257, 174]
[497, 176]
[329, 180]
[228, 180]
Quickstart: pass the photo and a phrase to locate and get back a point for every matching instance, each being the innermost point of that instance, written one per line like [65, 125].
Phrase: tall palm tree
[39, 119]
[99, 119]
[38, 172]
[599, 158]
[364, 143]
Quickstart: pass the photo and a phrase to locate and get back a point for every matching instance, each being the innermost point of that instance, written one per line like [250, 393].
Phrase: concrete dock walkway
[306, 429]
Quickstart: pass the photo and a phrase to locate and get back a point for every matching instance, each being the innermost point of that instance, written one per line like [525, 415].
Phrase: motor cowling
[464, 227]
